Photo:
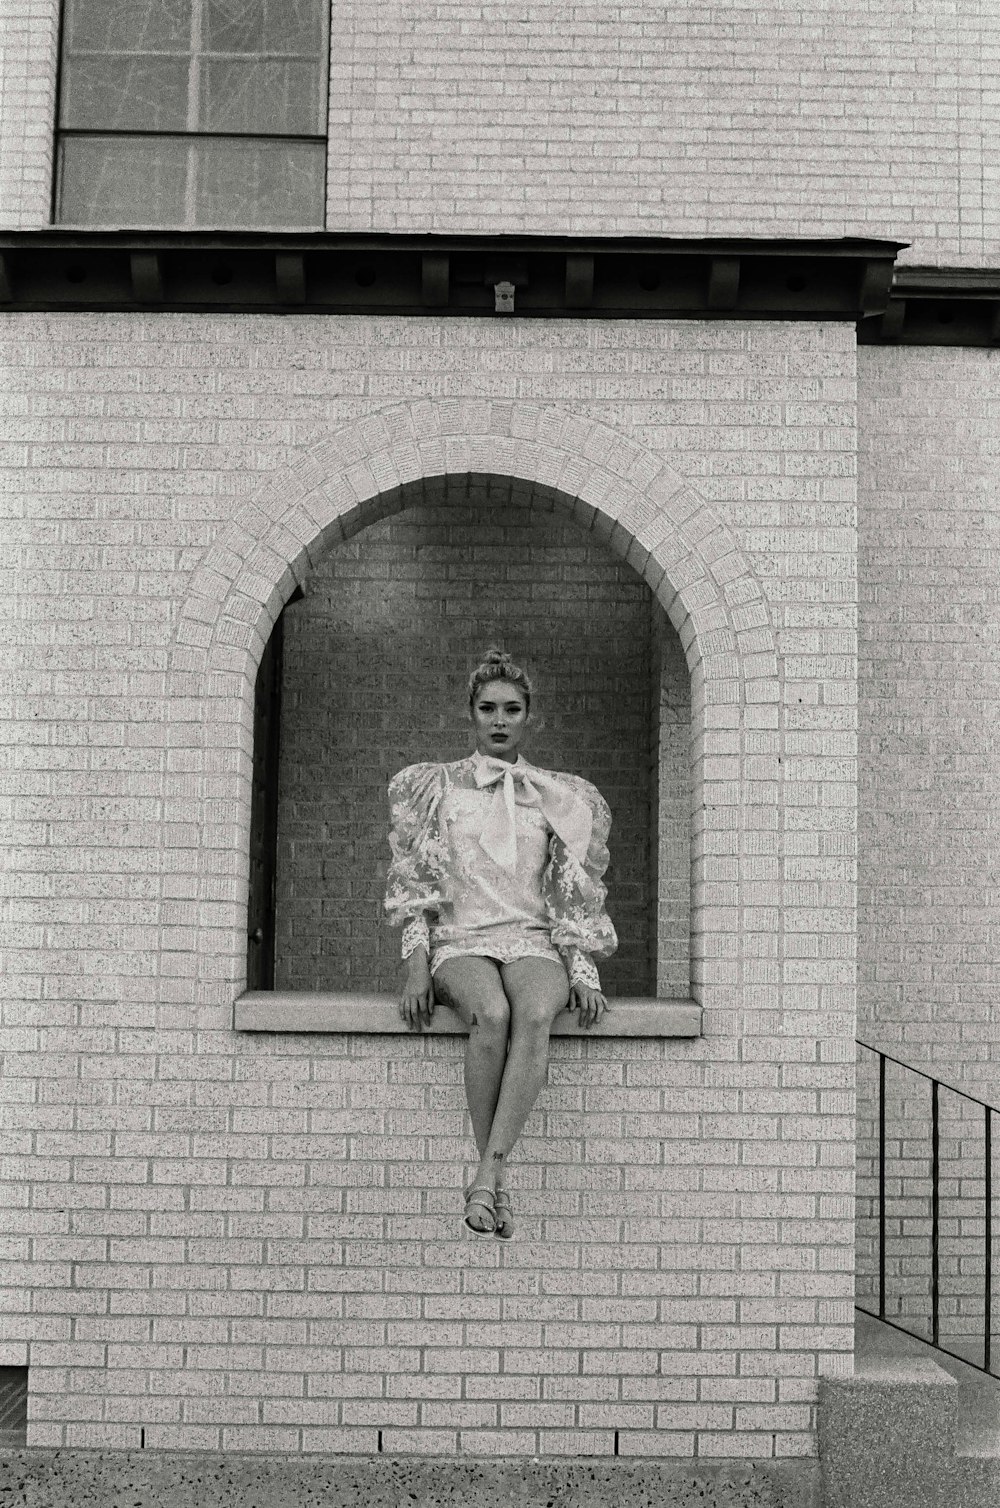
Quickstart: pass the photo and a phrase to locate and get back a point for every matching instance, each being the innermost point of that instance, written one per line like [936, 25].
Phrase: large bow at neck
[566, 813]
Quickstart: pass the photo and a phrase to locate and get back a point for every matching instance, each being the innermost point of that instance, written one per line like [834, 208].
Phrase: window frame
[63, 133]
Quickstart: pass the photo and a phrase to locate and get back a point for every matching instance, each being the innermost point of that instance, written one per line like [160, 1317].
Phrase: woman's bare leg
[537, 989]
[473, 987]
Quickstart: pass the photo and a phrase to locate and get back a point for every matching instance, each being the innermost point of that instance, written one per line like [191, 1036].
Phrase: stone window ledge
[335, 1011]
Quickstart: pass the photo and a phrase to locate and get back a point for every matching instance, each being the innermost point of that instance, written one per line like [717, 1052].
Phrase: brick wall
[28, 51]
[672, 797]
[685, 121]
[254, 1242]
[930, 785]
[611, 120]
[376, 659]
[929, 935]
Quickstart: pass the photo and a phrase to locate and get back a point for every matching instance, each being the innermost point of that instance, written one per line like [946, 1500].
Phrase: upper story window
[193, 113]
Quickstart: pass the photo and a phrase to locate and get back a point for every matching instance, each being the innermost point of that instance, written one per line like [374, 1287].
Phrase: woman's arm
[574, 893]
[414, 886]
[416, 1006]
[416, 876]
[586, 994]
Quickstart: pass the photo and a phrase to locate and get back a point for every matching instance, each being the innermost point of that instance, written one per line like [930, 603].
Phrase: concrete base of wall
[903, 1432]
[887, 1435]
[169, 1479]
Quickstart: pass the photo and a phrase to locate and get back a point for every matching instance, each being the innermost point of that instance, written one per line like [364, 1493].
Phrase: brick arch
[632, 499]
[635, 502]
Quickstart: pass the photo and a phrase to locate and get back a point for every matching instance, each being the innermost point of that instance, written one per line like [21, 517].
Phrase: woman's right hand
[417, 1004]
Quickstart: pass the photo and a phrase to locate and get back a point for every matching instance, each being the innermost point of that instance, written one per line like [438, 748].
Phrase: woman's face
[499, 716]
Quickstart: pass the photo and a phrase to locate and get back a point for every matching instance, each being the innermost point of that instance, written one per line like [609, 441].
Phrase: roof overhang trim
[535, 277]
[452, 276]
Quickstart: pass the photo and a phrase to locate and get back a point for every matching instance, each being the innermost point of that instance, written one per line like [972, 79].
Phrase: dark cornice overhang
[938, 306]
[63, 269]
[546, 277]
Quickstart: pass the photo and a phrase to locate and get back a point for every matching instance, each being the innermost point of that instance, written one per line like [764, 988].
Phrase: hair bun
[498, 665]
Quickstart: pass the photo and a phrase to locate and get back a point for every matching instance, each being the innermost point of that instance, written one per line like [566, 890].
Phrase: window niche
[193, 113]
[366, 673]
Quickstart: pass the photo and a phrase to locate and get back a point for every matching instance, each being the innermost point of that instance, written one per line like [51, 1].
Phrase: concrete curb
[174, 1479]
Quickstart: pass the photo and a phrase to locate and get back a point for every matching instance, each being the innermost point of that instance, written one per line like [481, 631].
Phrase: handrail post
[988, 1285]
[881, 1185]
[935, 1212]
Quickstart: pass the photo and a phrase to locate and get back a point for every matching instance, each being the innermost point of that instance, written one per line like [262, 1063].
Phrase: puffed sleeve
[575, 893]
[418, 871]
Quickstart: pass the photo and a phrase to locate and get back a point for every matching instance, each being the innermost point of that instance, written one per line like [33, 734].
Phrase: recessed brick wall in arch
[629, 497]
[375, 659]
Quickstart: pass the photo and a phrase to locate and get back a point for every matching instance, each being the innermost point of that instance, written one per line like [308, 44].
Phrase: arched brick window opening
[365, 673]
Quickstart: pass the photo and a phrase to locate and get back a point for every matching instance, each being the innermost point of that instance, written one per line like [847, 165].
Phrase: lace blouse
[500, 860]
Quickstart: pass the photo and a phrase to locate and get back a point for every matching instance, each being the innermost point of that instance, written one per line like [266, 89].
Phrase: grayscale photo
[499, 791]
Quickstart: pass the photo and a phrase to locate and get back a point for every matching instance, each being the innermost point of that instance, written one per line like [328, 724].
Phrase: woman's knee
[537, 995]
[534, 1017]
[490, 1016]
[474, 989]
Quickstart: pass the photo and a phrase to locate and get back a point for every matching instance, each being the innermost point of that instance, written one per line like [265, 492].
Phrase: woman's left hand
[590, 1003]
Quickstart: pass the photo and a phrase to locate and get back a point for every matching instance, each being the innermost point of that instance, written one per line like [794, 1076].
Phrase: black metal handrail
[988, 1112]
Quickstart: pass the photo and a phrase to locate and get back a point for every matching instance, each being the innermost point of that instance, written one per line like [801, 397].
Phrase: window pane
[260, 183]
[136, 181]
[122, 180]
[268, 27]
[125, 94]
[128, 25]
[272, 96]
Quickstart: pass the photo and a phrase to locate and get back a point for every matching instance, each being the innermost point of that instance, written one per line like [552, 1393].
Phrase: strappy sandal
[504, 1228]
[481, 1197]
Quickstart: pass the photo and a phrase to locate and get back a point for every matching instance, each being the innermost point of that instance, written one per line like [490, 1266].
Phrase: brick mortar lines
[400, 594]
[929, 622]
[134, 439]
[622, 121]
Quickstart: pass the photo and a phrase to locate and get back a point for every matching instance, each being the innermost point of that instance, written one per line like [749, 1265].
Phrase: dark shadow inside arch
[365, 673]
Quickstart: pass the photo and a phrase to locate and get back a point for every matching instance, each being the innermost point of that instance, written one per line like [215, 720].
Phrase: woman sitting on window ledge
[496, 875]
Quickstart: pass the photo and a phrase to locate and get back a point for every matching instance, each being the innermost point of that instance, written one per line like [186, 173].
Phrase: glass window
[193, 112]
[134, 93]
[276, 96]
[128, 181]
[106, 26]
[270, 28]
[286, 177]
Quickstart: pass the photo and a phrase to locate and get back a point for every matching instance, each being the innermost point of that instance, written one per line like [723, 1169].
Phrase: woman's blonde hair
[497, 665]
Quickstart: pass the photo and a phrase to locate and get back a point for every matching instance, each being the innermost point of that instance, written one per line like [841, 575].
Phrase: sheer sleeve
[575, 893]
[417, 878]
[581, 968]
[416, 934]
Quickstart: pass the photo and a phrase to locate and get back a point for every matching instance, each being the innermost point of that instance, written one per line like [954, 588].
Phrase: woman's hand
[417, 1004]
[590, 1003]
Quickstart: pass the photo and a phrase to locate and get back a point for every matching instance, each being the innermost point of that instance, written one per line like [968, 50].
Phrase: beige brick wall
[28, 50]
[376, 660]
[929, 934]
[929, 553]
[254, 1242]
[696, 120]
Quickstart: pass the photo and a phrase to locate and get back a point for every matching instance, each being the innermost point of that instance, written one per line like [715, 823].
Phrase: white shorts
[508, 951]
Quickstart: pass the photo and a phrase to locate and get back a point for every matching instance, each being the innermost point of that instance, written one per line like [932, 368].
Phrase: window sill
[305, 1011]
